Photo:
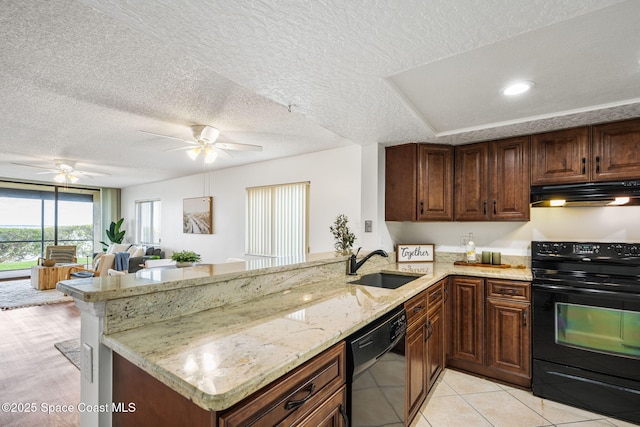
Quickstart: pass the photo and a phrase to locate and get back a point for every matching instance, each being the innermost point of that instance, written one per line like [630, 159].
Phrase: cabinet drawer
[416, 307]
[291, 398]
[508, 289]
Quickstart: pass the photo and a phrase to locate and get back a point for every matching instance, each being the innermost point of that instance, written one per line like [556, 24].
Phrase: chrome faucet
[353, 266]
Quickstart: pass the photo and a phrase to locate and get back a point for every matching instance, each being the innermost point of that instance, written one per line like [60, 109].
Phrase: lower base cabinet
[424, 345]
[311, 395]
[491, 329]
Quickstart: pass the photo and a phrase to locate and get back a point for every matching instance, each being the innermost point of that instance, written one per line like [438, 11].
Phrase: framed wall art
[197, 215]
[415, 253]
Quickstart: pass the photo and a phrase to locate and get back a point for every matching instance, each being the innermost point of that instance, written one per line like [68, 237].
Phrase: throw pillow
[118, 247]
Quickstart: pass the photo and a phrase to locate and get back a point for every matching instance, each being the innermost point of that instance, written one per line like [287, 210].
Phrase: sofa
[137, 262]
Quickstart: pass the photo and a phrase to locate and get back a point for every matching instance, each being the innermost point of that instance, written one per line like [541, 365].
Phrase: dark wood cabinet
[491, 334]
[560, 157]
[616, 151]
[472, 182]
[311, 395]
[509, 330]
[435, 332]
[493, 181]
[419, 182]
[416, 355]
[605, 152]
[467, 322]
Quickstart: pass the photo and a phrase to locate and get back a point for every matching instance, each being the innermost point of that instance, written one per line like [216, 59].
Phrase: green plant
[185, 256]
[341, 233]
[114, 234]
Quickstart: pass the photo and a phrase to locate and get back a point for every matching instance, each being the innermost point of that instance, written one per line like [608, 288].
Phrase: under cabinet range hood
[616, 193]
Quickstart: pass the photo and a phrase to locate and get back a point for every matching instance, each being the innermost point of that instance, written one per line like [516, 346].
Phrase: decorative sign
[197, 215]
[415, 253]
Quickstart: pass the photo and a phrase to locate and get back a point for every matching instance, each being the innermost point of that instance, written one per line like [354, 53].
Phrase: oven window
[605, 330]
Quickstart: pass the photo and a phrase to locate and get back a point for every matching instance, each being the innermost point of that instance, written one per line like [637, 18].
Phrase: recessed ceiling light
[517, 88]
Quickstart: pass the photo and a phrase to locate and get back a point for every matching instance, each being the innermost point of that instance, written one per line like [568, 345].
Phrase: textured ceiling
[79, 79]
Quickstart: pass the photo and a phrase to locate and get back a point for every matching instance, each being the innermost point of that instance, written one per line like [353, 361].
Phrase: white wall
[350, 180]
[335, 177]
[604, 224]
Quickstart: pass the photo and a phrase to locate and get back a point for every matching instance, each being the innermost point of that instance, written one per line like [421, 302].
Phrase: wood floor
[32, 370]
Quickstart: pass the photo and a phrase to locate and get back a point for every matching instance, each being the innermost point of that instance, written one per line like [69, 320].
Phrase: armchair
[100, 266]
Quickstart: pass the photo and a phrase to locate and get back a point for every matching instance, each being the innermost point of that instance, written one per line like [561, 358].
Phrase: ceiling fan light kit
[204, 143]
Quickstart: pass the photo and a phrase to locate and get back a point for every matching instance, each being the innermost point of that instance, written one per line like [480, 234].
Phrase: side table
[43, 278]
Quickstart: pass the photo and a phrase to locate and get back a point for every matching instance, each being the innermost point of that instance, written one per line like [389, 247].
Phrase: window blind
[277, 220]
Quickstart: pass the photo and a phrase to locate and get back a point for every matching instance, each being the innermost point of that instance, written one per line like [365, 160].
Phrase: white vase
[184, 264]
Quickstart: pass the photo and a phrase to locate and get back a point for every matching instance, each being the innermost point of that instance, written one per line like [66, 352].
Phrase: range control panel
[586, 250]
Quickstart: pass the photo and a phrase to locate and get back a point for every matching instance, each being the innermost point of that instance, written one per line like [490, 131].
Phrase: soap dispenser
[471, 250]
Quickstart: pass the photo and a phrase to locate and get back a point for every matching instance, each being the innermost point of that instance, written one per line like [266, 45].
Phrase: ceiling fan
[205, 143]
[64, 171]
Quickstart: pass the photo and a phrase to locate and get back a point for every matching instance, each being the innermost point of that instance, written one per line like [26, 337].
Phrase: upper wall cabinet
[616, 151]
[419, 182]
[492, 181]
[605, 152]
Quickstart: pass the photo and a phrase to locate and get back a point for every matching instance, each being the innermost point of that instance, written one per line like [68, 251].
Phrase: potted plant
[185, 258]
[114, 234]
[344, 238]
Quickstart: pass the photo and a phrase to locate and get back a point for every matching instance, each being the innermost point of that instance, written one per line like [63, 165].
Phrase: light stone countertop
[219, 356]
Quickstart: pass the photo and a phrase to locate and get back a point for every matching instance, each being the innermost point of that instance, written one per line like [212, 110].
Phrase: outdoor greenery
[20, 247]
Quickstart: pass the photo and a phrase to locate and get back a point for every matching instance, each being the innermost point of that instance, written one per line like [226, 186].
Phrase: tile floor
[464, 400]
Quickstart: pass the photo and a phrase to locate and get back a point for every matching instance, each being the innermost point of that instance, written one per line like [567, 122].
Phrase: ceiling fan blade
[237, 147]
[167, 136]
[50, 171]
[179, 149]
[88, 174]
[32, 166]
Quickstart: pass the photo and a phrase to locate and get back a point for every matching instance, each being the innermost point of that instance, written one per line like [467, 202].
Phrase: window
[148, 222]
[34, 216]
[278, 220]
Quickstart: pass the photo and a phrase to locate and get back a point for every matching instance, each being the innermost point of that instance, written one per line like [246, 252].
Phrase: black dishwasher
[376, 372]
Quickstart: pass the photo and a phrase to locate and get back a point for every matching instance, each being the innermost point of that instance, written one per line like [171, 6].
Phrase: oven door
[588, 329]
[586, 349]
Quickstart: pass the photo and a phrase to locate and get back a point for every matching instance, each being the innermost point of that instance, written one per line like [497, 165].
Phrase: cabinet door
[331, 413]
[560, 157]
[400, 182]
[509, 336]
[472, 187]
[510, 182]
[616, 151]
[435, 344]
[416, 360]
[467, 327]
[435, 182]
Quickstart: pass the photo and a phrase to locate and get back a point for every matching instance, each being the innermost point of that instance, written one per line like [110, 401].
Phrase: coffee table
[43, 278]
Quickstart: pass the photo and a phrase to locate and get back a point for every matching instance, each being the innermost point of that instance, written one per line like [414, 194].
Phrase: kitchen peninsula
[216, 334]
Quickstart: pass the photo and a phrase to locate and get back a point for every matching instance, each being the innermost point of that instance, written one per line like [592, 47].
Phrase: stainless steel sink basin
[384, 280]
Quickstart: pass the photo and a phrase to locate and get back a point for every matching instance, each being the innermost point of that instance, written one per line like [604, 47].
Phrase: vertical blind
[277, 220]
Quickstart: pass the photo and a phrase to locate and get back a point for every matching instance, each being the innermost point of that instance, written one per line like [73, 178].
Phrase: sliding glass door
[33, 217]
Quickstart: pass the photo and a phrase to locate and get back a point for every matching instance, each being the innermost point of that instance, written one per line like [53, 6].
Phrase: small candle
[495, 258]
[486, 257]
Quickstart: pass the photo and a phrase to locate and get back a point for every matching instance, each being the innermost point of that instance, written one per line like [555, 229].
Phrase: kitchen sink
[384, 280]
